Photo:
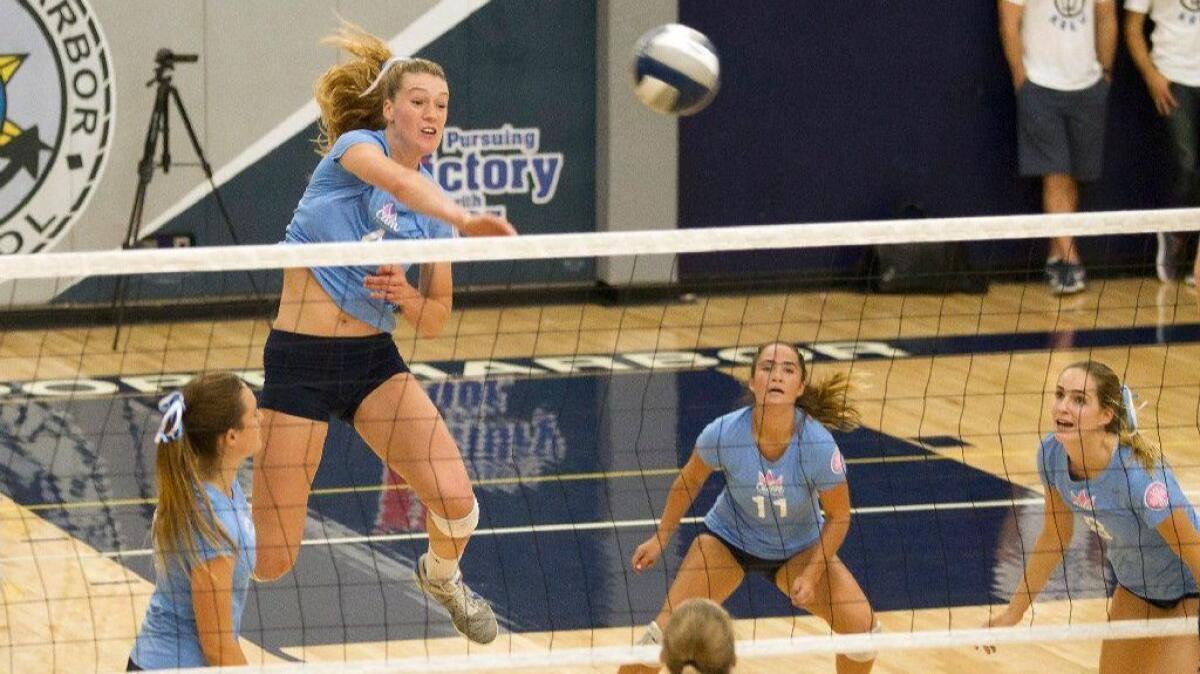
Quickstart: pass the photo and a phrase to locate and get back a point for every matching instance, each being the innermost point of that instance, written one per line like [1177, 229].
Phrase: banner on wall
[475, 164]
[56, 114]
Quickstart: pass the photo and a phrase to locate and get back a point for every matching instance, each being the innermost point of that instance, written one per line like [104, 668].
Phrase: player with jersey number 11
[785, 509]
[1098, 465]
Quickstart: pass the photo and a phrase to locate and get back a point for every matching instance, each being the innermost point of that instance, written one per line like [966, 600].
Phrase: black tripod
[166, 92]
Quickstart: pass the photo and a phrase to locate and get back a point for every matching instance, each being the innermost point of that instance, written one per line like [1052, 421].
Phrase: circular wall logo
[56, 113]
[1190, 5]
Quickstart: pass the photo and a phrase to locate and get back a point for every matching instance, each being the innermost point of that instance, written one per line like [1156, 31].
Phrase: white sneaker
[471, 615]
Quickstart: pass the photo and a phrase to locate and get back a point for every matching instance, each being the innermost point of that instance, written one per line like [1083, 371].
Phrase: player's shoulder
[811, 429]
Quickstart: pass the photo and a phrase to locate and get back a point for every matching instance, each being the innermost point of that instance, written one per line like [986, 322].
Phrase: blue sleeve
[824, 466]
[708, 445]
[1154, 494]
[351, 138]
[1043, 458]
[207, 552]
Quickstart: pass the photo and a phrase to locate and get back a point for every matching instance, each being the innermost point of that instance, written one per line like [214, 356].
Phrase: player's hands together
[1007, 618]
[388, 283]
[647, 553]
[486, 224]
[804, 591]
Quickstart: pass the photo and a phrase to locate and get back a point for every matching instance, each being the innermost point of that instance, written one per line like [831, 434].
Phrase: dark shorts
[749, 563]
[316, 377]
[1061, 131]
[1164, 604]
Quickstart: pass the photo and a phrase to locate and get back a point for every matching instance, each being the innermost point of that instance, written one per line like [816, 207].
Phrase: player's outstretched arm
[368, 163]
[1058, 527]
[683, 491]
[1179, 533]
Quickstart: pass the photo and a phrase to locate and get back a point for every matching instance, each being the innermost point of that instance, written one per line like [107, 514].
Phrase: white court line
[555, 528]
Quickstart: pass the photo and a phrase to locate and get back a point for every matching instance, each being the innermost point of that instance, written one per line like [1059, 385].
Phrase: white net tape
[598, 244]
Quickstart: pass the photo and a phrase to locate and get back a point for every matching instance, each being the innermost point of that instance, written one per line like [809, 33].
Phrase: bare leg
[840, 602]
[1131, 655]
[1060, 194]
[402, 426]
[283, 475]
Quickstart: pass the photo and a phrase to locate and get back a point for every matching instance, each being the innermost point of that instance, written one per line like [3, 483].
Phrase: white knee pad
[867, 656]
[459, 528]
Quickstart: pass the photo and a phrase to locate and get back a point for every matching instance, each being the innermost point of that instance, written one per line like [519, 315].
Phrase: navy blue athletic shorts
[318, 377]
[749, 563]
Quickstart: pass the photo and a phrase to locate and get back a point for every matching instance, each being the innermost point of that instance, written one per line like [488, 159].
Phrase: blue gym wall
[832, 111]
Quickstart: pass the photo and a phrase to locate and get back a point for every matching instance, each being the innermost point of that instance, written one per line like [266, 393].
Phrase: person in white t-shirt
[1061, 54]
[1172, 74]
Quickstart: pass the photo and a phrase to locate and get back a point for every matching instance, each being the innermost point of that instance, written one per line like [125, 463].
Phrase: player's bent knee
[866, 656]
[461, 527]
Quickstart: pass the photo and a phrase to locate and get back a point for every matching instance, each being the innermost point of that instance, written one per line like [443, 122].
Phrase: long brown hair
[339, 90]
[699, 638]
[827, 401]
[213, 405]
[1108, 395]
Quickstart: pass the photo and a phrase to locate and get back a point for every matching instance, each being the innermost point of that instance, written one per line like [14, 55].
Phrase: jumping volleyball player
[782, 469]
[331, 351]
[1098, 465]
[202, 535]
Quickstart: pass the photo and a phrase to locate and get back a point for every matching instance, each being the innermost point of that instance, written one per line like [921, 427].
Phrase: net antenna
[160, 127]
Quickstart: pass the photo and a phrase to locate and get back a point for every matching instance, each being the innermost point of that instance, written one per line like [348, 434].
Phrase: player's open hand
[486, 224]
[647, 554]
[389, 284]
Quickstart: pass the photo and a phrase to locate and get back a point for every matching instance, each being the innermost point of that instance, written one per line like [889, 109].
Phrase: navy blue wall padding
[833, 111]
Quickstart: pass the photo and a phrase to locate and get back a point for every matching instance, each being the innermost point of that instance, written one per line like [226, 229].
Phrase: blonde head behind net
[699, 638]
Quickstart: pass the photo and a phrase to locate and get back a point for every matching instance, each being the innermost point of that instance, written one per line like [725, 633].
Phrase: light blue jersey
[337, 206]
[1123, 505]
[168, 637]
[770, 508]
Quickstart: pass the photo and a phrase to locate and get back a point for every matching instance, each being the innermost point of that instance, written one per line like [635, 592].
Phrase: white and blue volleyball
[675, 70]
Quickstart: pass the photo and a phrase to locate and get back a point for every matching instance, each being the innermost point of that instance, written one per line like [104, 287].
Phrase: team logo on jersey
[837, 464]
[477, 164]
[1083, 499]
[1191, 12]
[1156, 497]
[769, 484]
[387, 217]
[56, 111]
[1069, 14]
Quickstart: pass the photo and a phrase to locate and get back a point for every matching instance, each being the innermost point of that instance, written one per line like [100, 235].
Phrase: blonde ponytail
[211, 405]
[342, 91]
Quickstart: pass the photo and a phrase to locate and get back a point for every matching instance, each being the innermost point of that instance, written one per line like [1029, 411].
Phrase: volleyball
[675, 70]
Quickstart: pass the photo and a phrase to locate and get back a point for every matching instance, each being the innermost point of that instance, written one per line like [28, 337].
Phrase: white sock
[438, 569]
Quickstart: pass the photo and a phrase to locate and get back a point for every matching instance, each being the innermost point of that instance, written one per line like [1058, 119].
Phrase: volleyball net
[573, 411]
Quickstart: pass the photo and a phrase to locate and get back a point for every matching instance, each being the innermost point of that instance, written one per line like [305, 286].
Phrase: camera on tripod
[168, 58]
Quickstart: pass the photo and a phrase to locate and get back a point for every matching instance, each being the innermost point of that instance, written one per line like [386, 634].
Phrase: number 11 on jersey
[761, 502]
